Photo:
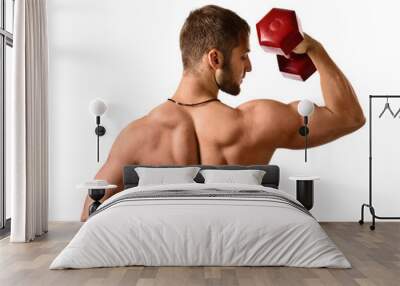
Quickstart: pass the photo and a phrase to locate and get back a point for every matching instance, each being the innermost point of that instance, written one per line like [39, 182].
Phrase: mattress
[201, 225]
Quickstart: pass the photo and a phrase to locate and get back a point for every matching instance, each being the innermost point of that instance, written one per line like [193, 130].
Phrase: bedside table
[305, 190]
[96, 191]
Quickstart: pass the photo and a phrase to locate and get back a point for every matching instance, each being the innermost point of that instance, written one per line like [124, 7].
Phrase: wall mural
[194, 126]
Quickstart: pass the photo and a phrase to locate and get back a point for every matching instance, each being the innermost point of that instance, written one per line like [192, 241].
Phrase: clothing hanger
[387, 107]
[398, 111]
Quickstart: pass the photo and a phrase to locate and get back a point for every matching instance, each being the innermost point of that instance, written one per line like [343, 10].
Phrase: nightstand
[96, 191]
[305, 190]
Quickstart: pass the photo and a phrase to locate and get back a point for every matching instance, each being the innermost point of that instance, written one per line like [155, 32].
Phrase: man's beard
[225, 82]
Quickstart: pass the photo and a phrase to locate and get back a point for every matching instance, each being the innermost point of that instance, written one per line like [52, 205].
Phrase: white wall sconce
[305, 109]
[97, 107]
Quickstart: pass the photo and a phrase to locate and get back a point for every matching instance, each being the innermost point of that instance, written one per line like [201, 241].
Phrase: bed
[201, 224]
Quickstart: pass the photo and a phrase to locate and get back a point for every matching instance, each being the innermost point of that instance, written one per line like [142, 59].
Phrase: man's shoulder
[268, 108]
[255, 104]
[168, 116]
[158, 119]
[270, 118]
[134, 126]
[131, 134]
[260, 110]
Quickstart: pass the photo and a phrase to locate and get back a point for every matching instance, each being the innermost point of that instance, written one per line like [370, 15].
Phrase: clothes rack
[369, 205]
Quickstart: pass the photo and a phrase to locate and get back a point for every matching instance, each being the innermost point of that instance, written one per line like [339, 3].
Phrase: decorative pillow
[166, 175]
[249, 177]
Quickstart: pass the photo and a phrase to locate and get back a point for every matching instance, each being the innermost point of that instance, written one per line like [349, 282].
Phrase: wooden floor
[374, 255]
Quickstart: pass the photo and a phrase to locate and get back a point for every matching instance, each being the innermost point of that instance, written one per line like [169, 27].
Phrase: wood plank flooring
[374, 255]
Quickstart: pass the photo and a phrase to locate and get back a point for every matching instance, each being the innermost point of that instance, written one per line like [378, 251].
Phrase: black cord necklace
[193, 104]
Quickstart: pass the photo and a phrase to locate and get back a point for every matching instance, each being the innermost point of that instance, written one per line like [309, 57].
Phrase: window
[6, 44]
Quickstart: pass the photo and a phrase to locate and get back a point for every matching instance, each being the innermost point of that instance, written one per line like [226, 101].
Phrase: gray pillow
[249, 177]
[166, 175]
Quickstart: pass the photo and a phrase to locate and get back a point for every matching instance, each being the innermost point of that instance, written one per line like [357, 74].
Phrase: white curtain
[28, 122]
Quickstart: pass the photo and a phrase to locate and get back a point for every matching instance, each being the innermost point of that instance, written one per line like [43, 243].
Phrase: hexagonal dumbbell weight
[279, 32]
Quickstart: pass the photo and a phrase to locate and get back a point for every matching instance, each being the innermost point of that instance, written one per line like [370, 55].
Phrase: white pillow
[166, 175]
[249, 177]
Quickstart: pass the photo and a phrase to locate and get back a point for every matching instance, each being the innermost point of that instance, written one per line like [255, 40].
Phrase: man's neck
[195, 88]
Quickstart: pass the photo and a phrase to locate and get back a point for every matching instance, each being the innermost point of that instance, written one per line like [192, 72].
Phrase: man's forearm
[337, 91]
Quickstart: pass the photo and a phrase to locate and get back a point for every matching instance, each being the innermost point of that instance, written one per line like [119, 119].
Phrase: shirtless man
[215, 44]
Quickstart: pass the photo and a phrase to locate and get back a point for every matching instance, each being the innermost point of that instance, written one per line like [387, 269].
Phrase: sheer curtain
[28, 123]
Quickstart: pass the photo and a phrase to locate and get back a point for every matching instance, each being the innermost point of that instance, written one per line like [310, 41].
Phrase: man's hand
[306, 45]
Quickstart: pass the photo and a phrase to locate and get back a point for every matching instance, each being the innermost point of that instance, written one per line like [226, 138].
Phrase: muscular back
[210, 134]
[217, 134]
[166, 136]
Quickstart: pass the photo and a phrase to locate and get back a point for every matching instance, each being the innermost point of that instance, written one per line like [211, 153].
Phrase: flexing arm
[112, 172]
[341, 115]
[112, 169]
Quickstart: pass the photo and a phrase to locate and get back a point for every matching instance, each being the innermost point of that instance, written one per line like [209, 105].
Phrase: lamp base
[100, 130]
[305, 193]
[96, 195]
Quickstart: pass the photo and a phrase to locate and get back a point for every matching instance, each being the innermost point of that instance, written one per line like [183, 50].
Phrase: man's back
[213, 133]
[164, 136]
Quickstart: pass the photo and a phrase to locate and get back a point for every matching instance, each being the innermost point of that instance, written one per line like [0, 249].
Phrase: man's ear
[215, 59]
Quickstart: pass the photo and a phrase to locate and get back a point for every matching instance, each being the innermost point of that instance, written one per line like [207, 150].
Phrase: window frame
[6, 39]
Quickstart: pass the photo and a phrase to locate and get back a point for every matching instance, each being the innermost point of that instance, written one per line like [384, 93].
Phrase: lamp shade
[97, 107]
[305, 107]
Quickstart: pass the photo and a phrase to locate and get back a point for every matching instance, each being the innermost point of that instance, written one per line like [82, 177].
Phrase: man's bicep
[277, 124]
[111, 171]
[324, 126]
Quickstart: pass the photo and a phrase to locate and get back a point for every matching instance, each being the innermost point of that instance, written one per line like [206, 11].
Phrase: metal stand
[100, 131]
[369, 205]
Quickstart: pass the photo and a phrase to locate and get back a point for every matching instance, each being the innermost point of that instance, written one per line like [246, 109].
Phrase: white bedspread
[204, 230]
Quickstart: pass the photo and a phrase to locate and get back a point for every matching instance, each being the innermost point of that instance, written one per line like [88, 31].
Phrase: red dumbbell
[280, 32]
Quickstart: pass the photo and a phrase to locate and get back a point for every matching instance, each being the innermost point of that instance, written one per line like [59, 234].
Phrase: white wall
[127, 53]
